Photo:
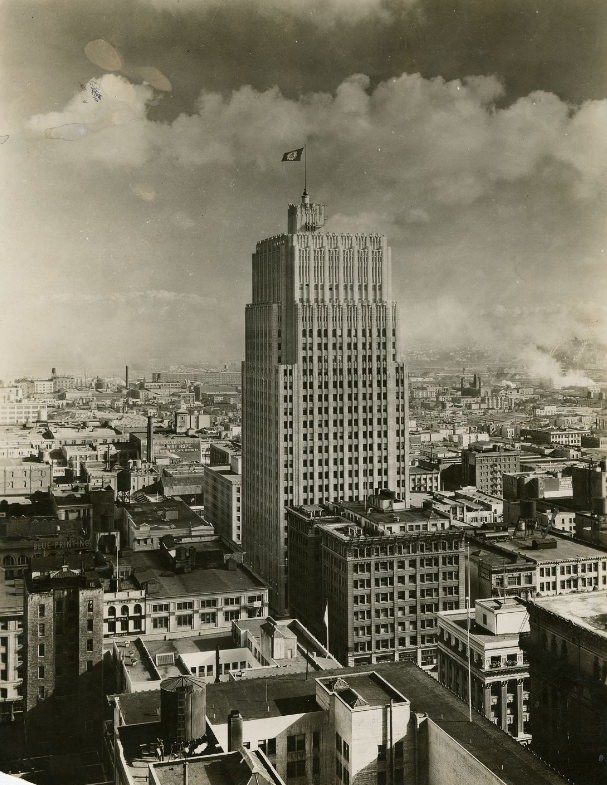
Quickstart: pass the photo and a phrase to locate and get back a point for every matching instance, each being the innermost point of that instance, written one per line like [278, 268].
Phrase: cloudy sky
[140, 159]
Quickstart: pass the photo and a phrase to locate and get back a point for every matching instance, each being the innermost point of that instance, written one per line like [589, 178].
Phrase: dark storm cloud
[548, 45]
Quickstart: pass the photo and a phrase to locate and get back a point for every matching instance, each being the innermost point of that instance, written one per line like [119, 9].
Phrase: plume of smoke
[544, 367]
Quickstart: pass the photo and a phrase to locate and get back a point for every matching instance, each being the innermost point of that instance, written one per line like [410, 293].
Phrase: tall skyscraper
[325, 406]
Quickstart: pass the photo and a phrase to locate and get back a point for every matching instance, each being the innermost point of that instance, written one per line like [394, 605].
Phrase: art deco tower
[325, 405]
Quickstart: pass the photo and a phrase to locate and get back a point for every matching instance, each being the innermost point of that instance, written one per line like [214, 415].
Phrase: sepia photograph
[303, 378]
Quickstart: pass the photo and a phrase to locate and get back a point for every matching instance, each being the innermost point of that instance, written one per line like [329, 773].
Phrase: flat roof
[231, 768]
[199, 581]
[369, 686]
[477, 632]
[390, 517]
[565, 549]
[153, 513]
[586, 610]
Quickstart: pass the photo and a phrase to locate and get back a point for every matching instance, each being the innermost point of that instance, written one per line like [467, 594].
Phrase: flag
[293, 155]
[326, 616]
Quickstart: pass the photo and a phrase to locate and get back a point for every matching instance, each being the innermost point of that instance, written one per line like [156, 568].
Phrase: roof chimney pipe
[150, 445]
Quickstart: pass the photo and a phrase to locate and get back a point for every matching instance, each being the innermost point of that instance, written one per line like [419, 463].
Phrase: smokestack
[235, 730]
[150, 445]
[126, 379]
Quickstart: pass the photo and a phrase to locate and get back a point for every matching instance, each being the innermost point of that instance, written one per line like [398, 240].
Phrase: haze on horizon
[141, 149]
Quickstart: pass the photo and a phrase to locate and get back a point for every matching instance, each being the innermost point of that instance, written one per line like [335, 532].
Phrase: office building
[223, 498]
[325, 402]
[380, 571]
[499, 671]
[63, 689]
[567, 650]
[484, 464]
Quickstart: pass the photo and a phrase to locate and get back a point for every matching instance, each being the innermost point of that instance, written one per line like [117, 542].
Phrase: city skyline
[141, 157]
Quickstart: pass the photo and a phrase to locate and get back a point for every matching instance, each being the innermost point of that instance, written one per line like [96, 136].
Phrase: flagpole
[305, 169]
[468, 637]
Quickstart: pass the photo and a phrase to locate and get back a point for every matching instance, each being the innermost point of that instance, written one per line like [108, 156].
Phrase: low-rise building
[423, 480]
[570, 437]
[499, 671]
[144, 524]
[24, 477]
[22, 412]
[204, 598]
[532, 562]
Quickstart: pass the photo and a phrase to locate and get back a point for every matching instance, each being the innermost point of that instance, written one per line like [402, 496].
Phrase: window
[316, 740]
[338, 743]
[160, 608]
[41, 611]
[231, 615]
[184, 620]
[160, 623]
[41, 630]
[296, 768]
[381, 752]
[185, 606]
[90, 606]
[40, 671]
[41, 649]
[268, 746]
[208, 618]
[89, 625]
[346, 750]
[89, 644]
[296, 743]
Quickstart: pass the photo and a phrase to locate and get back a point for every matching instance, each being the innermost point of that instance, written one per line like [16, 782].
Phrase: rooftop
[284, 695]
[233, 768]
[565, 549]
[586, 610]
[391, 517]
[163, 513]
[199, 581]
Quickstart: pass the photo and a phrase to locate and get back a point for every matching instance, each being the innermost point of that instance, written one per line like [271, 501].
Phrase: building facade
[325, 402]
[63, 689]
[567, 650]
[380, 573]
[499, 670]
[223, 498]
[484, 464]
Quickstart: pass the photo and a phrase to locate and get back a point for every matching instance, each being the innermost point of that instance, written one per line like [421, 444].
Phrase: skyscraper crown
[306, 216]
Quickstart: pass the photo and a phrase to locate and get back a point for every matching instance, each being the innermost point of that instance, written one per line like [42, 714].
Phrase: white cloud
[490, 209]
